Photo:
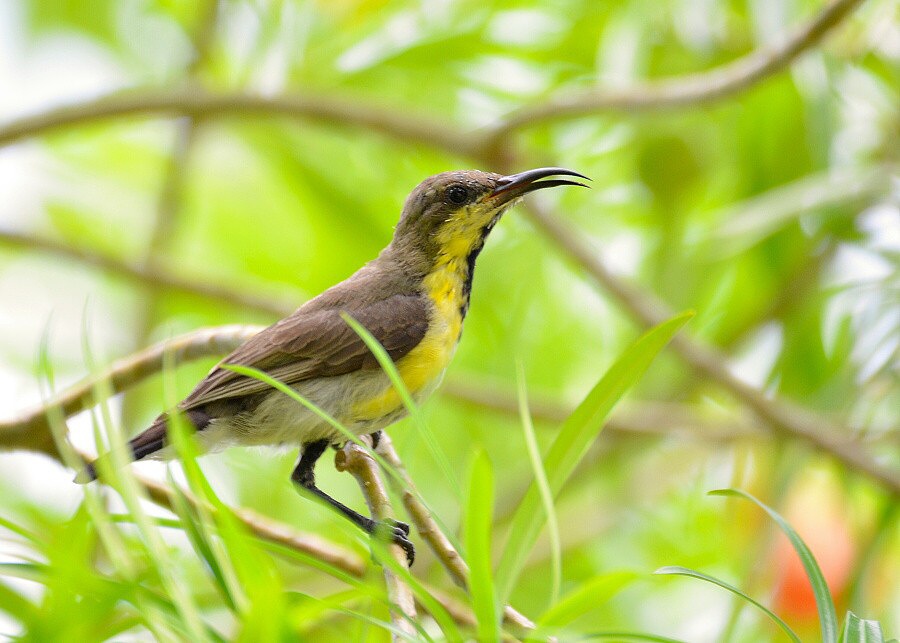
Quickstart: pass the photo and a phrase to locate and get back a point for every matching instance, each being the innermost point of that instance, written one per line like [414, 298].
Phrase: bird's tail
[142, 445]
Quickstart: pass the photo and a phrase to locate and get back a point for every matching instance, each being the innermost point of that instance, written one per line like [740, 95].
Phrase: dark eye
[457, 194]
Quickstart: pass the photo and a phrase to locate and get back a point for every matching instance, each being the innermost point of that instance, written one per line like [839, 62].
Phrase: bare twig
[154, 277]
[748, 222]
[396, 123]
[644, 418]
[693, 89]
[169, 201]
[673, 92]
[354, 459]
[429, 530]
[270, 530]
[782, 416]
[31, 431]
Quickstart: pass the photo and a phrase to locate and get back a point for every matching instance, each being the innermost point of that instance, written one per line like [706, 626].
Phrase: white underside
[282, 421]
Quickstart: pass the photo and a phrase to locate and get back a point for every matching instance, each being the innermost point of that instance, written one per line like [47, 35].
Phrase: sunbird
[412, 298]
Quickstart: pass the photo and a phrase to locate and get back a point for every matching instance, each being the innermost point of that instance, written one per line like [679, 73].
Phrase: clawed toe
[398, 533]
[405, 543]
[396, 524]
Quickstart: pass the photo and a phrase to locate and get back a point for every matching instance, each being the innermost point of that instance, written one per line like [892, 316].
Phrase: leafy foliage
[770, 212]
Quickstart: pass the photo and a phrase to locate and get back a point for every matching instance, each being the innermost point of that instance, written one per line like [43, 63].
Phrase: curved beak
[515, 185]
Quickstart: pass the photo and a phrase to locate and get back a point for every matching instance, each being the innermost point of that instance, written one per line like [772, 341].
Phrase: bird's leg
[304, 475]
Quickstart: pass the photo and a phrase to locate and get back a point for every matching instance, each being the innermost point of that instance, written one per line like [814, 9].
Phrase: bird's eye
[457, 194]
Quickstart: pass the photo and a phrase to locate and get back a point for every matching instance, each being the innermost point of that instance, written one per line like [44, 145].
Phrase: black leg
[304, 475]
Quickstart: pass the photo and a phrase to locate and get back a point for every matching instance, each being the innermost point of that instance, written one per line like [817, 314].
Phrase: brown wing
[317, 343]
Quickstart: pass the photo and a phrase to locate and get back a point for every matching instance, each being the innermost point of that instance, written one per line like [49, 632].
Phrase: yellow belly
[424, 365]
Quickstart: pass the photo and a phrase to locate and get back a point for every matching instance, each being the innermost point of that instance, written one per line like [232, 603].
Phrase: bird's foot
[398, 533]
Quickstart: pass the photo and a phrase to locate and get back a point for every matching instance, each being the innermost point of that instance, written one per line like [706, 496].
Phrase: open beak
[515, 185]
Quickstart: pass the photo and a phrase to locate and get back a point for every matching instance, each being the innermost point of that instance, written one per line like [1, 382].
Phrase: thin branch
[270, 530]
[782, 416]
[746, 223]
[354, 459]
[644, 418]
[31, 430]
[429, 530]
[171, 191]
[154, 277]
[396, 123]
[679, 91]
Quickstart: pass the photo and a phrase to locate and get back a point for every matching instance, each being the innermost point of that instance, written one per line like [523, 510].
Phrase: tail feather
[147, 442]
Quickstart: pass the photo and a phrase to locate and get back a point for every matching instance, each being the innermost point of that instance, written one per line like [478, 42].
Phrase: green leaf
[540, 478]
[190, 524]
[575, 437]
[684, 571]
[585, 598]
[629, 636]
[824, 602]
[479, 516]
[859, 630]
[391, 370]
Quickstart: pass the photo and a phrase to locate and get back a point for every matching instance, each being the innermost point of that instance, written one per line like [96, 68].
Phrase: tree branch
[396, 123]
[31, 430]
[679, 91]
[645, 418]
[429, 530]
[691, 89]
[782, 416]
[270, 530]
[354, 459]
[154, 277]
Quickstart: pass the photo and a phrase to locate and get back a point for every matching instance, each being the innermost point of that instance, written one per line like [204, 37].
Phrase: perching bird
[412, 298]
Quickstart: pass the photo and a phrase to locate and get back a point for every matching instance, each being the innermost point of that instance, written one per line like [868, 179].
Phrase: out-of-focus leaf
[588, 596]
[684, 571]
[479, 516]
[824, 602]
[574, 438]
[860, 630]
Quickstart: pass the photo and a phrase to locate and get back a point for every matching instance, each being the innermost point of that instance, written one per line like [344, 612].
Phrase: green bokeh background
[772, 213]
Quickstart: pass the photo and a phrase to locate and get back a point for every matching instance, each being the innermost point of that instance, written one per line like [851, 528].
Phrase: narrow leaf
[575, 437]
[479, 515]
[588, 596]
[387, 364]
[860, 630]
[684, 571]
[824, 602]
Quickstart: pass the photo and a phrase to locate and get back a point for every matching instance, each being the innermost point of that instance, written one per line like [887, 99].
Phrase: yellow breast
[423, 366]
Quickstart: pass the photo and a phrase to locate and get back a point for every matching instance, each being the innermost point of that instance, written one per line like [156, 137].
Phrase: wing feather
[317, 343]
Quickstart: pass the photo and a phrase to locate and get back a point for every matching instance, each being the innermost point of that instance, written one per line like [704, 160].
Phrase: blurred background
[168, 165]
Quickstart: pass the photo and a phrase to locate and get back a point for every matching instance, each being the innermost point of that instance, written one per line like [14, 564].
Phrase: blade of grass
[824, 601]
[575, 437]
[386, 466]
[250, 576]
[860, 630]
[540, 478]
[629, 636]
[189, 517]
[438, 612]
[122, 480]
[583, 599]
[387, 364]
[112, 541]
[684, 571]
[18, 530]
[479, 515]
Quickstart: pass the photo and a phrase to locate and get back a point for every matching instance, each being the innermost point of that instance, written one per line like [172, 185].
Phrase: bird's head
[448, 216]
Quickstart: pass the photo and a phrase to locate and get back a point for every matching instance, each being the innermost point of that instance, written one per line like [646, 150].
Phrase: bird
[413, 298]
